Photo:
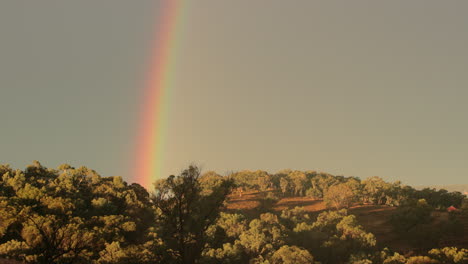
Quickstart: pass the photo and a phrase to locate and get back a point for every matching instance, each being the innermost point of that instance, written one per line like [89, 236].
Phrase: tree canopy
[73, 215]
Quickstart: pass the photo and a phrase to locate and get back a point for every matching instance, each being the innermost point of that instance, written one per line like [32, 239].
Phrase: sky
[354, 88]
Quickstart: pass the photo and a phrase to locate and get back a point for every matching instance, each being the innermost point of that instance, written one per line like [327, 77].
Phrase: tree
[339, 196]
[247, 179]
[335, 236]
[209, 181]
[285, 185]
[73, 215]
[292, 217]
[421, 260]
[375, 190]
[450, 255]
[233, 224]
[355, 185]
[321, 182]
[291, 255]
[186, 214]
[49, 239]
[314, 193]
[69, 215]
[264, 235]
[299, 182]
[407, 217]
[264, 182]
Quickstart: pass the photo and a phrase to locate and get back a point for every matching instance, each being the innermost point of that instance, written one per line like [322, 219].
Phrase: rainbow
[153, 123]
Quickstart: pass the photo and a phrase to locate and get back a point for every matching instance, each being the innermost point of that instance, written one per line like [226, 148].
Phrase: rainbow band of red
[153, 124]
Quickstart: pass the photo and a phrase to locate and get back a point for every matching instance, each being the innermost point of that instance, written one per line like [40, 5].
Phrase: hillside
[374, 218]
[73, 215]
[463, 188]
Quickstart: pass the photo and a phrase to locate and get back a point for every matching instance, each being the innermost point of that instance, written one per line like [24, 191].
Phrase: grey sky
[357, 88]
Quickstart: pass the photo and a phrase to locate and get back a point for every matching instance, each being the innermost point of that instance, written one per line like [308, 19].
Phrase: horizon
[448, 187]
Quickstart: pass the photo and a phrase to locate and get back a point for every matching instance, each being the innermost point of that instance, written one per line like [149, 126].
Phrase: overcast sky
[355, 88]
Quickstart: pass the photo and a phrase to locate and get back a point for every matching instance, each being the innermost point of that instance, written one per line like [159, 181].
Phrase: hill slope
[374, 218]
[463, 188]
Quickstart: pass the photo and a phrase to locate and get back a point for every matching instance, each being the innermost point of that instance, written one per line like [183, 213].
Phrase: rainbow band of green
[152, 134]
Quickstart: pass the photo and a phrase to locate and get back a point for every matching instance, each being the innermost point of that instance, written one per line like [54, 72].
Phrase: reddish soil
[309, 204]
[247, 201]
[374, 218]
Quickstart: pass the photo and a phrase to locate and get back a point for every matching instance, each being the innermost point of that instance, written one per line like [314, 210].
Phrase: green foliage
[264, 182]
[295, 216]
[410, 216]
[285, 185]
[73, 215]
[299, 182]
[291, 255]
[395, 258]
[68, 215]
[321, 182]
[209, 181]
[113, 253]
[250, 179]
[421, 260]
[233, 224]
[228, 253]
[254, 244]
[375, 190]
[314, 193]
[343, 236]
[264, 235]
[187, 214]
[339, 196]
[450, 255]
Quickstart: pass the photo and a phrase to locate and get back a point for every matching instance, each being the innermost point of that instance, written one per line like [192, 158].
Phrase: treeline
[73, 215]
[342, 191]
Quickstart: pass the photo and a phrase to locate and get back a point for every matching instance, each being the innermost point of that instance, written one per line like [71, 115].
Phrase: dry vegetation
[374, 218]
[69, 215]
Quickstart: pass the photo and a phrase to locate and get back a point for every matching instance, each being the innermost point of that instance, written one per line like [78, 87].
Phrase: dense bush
[73, 215]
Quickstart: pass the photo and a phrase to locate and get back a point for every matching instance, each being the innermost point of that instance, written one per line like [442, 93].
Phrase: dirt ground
[373, 218]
